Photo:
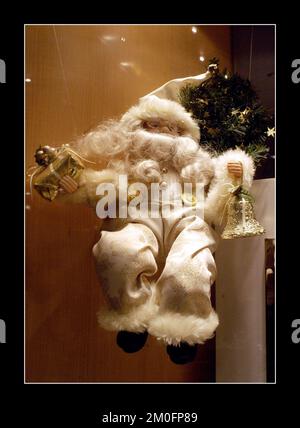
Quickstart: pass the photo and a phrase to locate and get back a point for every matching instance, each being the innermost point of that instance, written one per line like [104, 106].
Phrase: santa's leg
[185, 315]
[125, 263]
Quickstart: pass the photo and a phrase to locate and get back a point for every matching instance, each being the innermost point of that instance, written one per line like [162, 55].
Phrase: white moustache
[161, 146]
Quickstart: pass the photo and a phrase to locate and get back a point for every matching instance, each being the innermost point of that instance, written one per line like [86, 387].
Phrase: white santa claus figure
[157, 271]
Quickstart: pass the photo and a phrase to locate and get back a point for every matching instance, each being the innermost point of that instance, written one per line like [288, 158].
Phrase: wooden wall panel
[76, 76]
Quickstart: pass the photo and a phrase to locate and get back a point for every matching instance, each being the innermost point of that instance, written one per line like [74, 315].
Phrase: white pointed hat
[163, 103]
[171, 89]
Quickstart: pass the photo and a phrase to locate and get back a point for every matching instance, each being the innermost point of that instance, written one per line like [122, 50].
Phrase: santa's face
[162, 126]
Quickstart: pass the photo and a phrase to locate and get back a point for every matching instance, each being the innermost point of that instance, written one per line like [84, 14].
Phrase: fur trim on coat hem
[136, 320]
[173, 328]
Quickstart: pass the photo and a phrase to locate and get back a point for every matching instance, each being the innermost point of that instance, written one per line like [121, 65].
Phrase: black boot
[183, 353]
[131, 342]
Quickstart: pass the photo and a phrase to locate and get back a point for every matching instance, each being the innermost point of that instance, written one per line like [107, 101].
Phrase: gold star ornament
[271, 132]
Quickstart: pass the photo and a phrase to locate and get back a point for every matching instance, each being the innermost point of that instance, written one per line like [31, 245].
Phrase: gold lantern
[241, 221]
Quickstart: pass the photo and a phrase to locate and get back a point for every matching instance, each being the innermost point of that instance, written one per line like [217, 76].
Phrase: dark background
[253, 49]
[253, 57]
[82, 405]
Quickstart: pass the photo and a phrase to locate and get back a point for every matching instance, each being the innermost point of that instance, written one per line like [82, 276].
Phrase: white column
[240, 296]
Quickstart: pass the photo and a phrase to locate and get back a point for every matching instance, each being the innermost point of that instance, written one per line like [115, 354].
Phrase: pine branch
[229, 114]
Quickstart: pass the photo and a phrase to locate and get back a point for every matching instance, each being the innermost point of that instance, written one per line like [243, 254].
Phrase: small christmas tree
[229, 114]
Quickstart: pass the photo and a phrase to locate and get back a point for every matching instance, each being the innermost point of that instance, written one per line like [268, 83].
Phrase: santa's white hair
[125, 147]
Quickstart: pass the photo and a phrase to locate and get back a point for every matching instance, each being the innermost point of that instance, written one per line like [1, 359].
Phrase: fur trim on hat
[173, 328]
[154, 107]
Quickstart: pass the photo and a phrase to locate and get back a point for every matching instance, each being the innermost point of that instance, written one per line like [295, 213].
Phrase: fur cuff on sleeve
[222, 182]
[236, 155]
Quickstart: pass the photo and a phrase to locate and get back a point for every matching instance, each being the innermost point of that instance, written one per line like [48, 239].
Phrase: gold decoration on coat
[189, 199]
[132, 195]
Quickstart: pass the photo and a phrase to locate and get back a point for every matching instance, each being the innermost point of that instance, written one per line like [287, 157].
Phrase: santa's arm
[85, 191]
[223, 182]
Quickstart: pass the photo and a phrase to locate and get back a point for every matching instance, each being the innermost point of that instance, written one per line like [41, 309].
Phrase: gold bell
[241, 221]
